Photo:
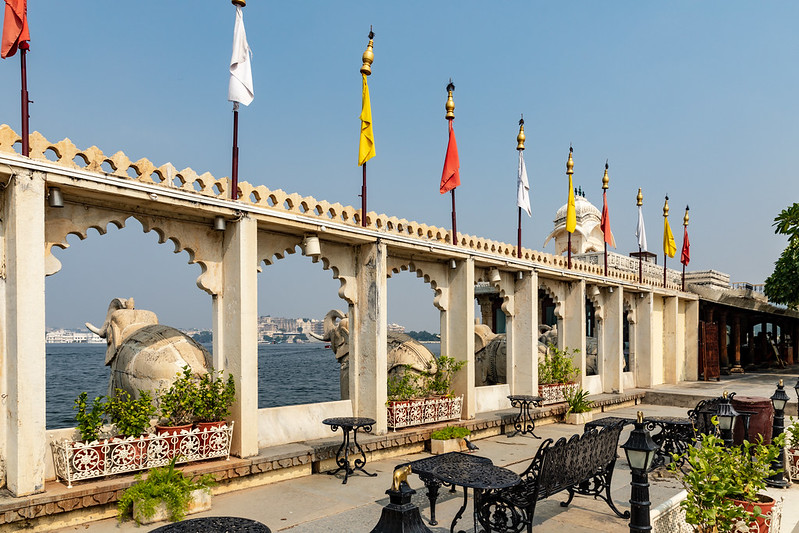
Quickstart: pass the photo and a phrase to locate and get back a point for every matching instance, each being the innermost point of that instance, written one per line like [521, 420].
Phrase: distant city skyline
[670, 94]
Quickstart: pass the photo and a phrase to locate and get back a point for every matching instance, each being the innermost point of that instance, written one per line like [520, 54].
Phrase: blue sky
[694, 100]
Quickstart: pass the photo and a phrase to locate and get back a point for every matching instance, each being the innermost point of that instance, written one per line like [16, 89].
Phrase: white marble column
[573, 334]
[457, 330]
[522, 347]
[645, 348]
[672, 343]
[368, 336]
[236, 312]
[23, 363]
[613, 341]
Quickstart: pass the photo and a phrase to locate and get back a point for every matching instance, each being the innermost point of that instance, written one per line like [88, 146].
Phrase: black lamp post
[640, 451]
[778, 400]
[726, 415]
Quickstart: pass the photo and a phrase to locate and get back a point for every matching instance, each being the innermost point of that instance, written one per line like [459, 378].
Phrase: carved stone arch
[549, 288]
[340, 259]
[202, 243]
[594, 295]
[431, 273]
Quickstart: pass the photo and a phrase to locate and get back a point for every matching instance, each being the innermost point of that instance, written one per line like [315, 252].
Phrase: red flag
[685, 256]
[451, 177]
[15, 27]
[605, 224]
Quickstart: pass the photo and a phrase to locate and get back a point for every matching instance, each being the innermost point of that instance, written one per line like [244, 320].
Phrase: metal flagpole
[23, 48]
[454, 221]
[520, 138]
[639, 203]
[368, 58]
[363, 197]
[234, 172]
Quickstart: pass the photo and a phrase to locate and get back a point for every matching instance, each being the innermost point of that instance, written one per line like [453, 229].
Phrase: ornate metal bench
[582, 464]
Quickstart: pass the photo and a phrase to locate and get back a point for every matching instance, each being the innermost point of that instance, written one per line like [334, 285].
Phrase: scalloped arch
[397, 265]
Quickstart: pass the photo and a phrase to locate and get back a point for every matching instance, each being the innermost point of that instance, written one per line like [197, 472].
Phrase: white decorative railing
[405, 413]
[628, 264]
[669, 517]
[76, 461]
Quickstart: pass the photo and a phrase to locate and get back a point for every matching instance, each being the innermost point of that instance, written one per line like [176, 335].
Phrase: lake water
[288, 374]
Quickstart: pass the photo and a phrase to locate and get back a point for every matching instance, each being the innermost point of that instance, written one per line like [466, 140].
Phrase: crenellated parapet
[65, 153]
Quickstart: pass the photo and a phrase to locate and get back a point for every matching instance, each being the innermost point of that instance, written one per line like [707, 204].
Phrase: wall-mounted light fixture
[493, 276]
[54, 197]
[310, 246]
[453, 264]
[520, 275]
[219, 223]
[610, 290]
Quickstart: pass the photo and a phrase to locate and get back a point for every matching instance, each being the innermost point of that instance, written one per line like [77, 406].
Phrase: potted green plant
[792, 447]
[724, 484]
[448, 439]
[131, 416]
[415, 398]
[213, 397]
[166, 494]
[579, 410]
[176, 404]
[556, 374]
[90, 420]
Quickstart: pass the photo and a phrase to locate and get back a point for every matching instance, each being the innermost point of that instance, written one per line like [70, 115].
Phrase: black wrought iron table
[461, 470]
[347, 425]
[524, 422]
[214, 524]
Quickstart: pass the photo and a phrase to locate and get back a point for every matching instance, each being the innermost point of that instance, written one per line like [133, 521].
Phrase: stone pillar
[671, 346]
[485, 303]
[723, 359]
[736, 343]
[613, 342]
[23, 367]
[237, 314]
[523, 352]
[457, 331]
[690, 335]
[573, 334]
[368, 336]
[645, 347]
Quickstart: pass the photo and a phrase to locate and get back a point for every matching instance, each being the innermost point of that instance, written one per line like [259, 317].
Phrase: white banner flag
[240, 88]
[640, 231]
[523, 192]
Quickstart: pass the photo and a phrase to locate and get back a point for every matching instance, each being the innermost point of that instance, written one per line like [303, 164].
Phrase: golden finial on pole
[450, 102]
[685, 218]
[666, 207]
[239, 3]
[640, 417]
[570, 162]
[639, 198]
[368, 55]
[605, 178]
[521, 137]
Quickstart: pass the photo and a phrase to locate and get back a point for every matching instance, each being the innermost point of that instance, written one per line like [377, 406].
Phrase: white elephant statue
[402, 350]
[490, 352]
[143, 354]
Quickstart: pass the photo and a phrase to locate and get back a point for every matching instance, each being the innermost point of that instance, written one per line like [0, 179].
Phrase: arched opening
[125, 263]
[591, 340]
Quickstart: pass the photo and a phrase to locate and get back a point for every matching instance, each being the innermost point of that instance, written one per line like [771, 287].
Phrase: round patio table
[214, 524]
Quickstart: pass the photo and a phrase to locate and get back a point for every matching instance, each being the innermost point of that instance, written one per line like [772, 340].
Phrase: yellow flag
[366, 147]
[669, 246]
[571, 215]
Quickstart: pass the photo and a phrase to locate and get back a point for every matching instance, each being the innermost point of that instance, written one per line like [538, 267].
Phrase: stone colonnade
[663, 321]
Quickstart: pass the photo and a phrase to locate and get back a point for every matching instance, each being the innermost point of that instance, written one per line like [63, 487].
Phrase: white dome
[582, 208]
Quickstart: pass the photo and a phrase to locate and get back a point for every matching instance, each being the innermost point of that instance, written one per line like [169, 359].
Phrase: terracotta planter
[128, 453]
[89, 456]
[210, 437]
[555, 392]
[765, 503]
[174, 436]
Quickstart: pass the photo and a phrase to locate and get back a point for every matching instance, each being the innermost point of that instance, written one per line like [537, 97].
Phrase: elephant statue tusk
[95, 330]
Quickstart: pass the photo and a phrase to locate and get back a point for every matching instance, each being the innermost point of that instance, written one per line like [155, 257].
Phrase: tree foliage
[782, 286]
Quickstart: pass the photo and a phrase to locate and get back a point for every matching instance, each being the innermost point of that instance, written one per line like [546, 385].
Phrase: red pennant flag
[605, 224]
[451, 177]
[15, 27]
[685, 256]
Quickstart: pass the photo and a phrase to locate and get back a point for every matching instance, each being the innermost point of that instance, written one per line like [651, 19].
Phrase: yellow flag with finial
[669, 246]
[571, 213]
[366, 145]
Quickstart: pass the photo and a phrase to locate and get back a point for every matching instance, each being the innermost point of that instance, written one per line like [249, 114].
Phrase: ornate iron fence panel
[76, 461]
[407, 413]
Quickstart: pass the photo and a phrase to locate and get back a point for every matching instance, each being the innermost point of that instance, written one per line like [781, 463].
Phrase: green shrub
[165, 484]
[578, 401]
[176, 404]
[131, 416]
[450, 432]
[89, 421]
[404, 386]
[793, 433]
[557, 366]
[213, 397]
[439, 383]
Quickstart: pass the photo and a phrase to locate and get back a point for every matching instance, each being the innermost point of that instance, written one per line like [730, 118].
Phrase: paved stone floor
[321, 503]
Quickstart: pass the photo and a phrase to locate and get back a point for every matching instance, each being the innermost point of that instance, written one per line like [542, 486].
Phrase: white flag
[640, 231]
[523, 193]
[240, 88]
